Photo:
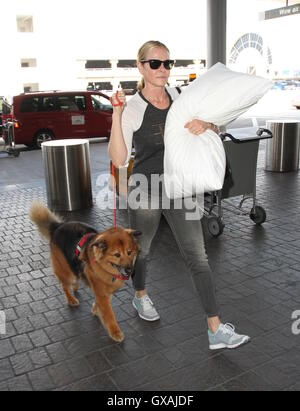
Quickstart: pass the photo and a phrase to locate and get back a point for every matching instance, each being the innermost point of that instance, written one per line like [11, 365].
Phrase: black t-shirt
[143, 127]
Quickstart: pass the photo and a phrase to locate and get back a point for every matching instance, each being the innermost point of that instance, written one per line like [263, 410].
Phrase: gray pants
[190, 240]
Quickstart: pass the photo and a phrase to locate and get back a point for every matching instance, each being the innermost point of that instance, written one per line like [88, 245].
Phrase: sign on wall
[282, 12]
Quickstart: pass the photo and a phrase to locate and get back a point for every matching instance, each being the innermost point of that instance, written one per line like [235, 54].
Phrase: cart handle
[224, 135]
[259, 134]
[261, 131]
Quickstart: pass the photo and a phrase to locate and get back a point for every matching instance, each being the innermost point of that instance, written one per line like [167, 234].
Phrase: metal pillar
[216, 31]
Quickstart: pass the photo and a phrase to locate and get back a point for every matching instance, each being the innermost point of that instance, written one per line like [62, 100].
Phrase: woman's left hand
[198, 127]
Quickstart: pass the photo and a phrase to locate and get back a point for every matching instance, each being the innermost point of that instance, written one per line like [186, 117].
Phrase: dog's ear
[102, 245]
[99, 247]
[98, 244]
[134, 233]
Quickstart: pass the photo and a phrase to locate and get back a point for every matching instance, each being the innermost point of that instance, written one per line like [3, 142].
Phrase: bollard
[282, 152]
[68, 174]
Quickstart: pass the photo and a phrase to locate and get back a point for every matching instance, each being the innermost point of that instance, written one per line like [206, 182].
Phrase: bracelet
[215, 128]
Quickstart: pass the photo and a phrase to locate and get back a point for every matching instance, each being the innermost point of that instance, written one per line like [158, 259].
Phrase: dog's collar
[82, 243]
[115, 277]
[121, 277]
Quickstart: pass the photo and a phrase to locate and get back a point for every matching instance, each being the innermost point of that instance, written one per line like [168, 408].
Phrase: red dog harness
[82, 243]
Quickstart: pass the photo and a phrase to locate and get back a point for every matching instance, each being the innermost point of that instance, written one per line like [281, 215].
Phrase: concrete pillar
[216, 31]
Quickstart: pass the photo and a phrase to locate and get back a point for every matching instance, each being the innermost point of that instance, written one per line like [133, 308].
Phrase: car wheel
[42, 137]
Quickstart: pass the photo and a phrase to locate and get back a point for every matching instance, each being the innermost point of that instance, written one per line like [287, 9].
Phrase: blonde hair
[142, 55]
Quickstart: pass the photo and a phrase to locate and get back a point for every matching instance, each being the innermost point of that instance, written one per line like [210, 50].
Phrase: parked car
[5, 114]
[56, 115]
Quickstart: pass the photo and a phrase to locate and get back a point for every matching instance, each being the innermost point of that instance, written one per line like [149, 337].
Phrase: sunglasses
[156, 64]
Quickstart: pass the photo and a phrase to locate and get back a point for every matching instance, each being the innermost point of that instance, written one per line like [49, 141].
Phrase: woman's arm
[198, 127]
[117, 148]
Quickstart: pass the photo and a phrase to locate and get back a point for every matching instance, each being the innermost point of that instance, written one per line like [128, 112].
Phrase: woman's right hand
[117, 97]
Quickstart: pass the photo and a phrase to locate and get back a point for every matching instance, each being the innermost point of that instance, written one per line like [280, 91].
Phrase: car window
[100, 102]
[48, 104]
[81, 102]
[71, 103]
[30, 105]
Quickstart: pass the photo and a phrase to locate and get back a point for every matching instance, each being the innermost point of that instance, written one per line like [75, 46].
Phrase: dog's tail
[46, 221]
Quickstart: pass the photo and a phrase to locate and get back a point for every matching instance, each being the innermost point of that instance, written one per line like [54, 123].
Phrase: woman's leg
[190, 239]
[147, 221]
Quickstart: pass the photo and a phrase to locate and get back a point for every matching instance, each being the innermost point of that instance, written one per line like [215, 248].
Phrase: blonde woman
[141, 122]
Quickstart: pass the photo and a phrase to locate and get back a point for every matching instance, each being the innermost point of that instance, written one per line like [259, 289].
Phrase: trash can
[282, 151]
[68, 174]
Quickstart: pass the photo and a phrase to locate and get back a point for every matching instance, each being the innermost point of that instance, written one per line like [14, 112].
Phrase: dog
[103, 260]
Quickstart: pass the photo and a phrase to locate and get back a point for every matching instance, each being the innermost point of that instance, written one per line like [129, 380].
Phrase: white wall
[280, 34]
[66, 31]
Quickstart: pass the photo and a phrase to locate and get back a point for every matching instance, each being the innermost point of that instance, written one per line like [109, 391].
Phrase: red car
[45, 116]
[5, 115]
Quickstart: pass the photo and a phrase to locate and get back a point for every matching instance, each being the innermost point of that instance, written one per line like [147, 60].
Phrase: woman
[141, 121]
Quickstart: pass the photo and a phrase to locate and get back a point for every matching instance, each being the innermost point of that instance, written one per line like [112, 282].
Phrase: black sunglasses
[156, 64]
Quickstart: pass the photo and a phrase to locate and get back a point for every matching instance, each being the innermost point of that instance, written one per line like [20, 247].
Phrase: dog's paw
[117, 336]
[73, 302]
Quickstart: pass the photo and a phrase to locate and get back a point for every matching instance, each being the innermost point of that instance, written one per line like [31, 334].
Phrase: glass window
[30, 105]
[25, 24]
[245, 39]
[254, 37]
[71, 103]
[239, 44]
[28, 63]
[259, 48]
[100, 102]
[80, 102]
[48, 104]
[31, 87]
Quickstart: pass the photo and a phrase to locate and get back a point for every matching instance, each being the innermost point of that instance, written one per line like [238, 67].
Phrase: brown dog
[103, 260]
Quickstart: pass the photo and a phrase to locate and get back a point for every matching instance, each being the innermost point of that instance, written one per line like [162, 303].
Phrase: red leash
[114, 195]
[118, 104]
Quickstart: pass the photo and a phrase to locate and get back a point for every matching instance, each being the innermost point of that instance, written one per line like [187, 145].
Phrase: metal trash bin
[282, 152]
[68, 174]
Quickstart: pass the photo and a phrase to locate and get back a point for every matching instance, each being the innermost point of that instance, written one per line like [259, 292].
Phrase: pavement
[49, 346]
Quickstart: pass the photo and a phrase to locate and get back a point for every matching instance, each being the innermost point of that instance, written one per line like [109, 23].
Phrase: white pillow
[196, 164]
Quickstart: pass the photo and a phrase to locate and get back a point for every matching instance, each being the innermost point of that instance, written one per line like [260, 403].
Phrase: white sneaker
[226, 337]
[145, 308]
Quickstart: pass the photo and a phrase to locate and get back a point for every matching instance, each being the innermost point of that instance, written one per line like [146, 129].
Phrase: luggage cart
[9, 138]
[240, 180]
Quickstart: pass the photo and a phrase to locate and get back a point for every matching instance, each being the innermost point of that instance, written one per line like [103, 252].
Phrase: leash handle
[119, 102]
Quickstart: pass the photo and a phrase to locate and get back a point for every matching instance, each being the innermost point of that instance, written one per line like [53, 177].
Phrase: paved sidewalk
[49, 346]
